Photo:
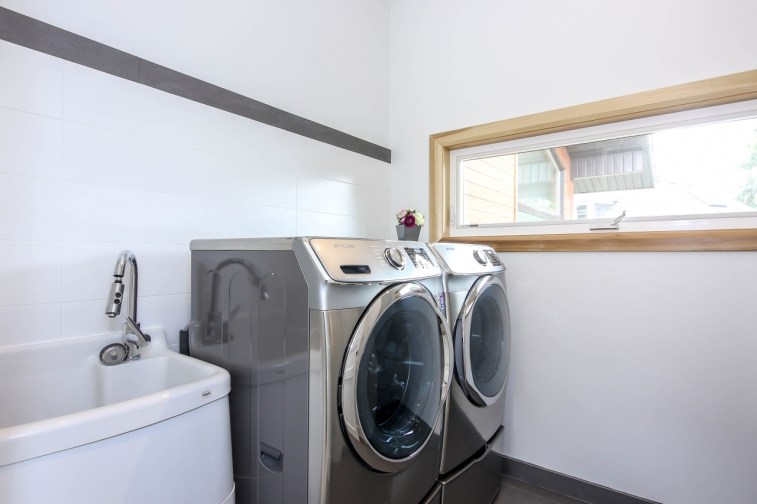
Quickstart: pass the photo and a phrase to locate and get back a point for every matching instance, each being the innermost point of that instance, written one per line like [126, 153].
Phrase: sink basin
[61, 407]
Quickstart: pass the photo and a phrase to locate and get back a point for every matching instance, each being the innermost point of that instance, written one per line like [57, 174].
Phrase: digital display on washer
[356, 269]
[419, 257]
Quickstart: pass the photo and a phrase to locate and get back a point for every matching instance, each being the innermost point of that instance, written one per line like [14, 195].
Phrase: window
[673, 169]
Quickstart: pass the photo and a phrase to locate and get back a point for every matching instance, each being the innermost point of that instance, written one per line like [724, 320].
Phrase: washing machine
[340, 358]
[478, 311]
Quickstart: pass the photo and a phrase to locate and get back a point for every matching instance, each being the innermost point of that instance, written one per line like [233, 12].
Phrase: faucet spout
[133, 337]
[115, 298]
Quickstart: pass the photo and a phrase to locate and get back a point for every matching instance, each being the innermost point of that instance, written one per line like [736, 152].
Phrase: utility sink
[154, 429]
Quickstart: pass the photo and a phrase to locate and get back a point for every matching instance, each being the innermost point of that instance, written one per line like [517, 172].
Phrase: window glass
[698, 170]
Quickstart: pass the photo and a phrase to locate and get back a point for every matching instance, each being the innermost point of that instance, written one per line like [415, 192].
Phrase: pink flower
[410, 218]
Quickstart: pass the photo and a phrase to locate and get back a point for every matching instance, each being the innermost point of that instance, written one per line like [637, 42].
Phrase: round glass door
[482, 341]
[395, 377]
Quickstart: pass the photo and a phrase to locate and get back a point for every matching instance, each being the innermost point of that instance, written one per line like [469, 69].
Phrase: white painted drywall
[636, 371]
[633, 371]
[91, 164]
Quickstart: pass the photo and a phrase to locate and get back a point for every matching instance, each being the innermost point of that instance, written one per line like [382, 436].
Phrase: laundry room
[169, 129]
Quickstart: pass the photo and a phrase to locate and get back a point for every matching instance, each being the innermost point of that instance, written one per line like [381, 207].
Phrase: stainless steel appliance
[340, 359]
[474, 279]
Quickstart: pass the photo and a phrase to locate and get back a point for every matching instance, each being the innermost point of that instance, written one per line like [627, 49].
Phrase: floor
[517, 492]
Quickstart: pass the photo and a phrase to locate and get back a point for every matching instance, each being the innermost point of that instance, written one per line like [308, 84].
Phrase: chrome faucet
[133, 337]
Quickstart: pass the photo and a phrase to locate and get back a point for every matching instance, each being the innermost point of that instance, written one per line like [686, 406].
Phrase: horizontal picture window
[672, 169]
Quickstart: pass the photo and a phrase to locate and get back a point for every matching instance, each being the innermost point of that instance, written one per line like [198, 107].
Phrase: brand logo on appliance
[344, 246]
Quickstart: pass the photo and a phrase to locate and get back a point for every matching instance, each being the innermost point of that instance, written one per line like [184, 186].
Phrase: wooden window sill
[657, 241]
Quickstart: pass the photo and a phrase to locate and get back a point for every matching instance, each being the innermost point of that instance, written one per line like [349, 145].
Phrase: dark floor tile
[517, 492]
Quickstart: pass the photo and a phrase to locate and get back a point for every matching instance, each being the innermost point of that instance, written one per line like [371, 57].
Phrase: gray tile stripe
[33, 34]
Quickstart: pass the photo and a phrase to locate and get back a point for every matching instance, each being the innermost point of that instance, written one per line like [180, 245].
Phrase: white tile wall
[31, 144]
[228, 218]
[31, 81]
[31, 208]
[23, 325]
[108, 158]
[91, 164]
[336, 197]
[314, 223]
[244, 181]
[30, 274]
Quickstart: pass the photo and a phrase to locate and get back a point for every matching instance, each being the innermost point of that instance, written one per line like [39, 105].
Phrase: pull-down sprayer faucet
[133, 337]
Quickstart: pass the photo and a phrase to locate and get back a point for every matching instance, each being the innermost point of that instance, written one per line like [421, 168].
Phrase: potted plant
[409, 223]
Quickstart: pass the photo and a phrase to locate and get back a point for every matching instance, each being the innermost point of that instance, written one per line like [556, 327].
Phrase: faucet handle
[132, 327]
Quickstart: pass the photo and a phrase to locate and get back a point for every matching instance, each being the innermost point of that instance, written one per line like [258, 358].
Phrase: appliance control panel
[373, 261]
[421, 257]
[467, 259]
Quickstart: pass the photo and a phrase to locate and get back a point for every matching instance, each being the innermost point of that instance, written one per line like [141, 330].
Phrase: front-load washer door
[395, 377]
[482, 341]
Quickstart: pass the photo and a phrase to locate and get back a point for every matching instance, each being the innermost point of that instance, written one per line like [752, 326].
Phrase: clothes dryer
[340, 358]
[474, 279]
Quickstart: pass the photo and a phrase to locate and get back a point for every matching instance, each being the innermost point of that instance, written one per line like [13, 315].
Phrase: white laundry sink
[150, 430]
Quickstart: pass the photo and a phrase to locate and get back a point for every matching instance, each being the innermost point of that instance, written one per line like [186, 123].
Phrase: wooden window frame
[706, 93]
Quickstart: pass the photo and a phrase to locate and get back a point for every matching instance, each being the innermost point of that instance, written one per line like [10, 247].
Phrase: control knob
[395, 258]
[479, 256]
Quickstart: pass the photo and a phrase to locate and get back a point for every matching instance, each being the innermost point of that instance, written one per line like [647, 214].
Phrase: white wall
[633, 371]
[636, 371]
[91, 164]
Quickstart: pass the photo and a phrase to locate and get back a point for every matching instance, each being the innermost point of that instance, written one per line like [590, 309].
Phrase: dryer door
[395, 377]
[482, 341]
